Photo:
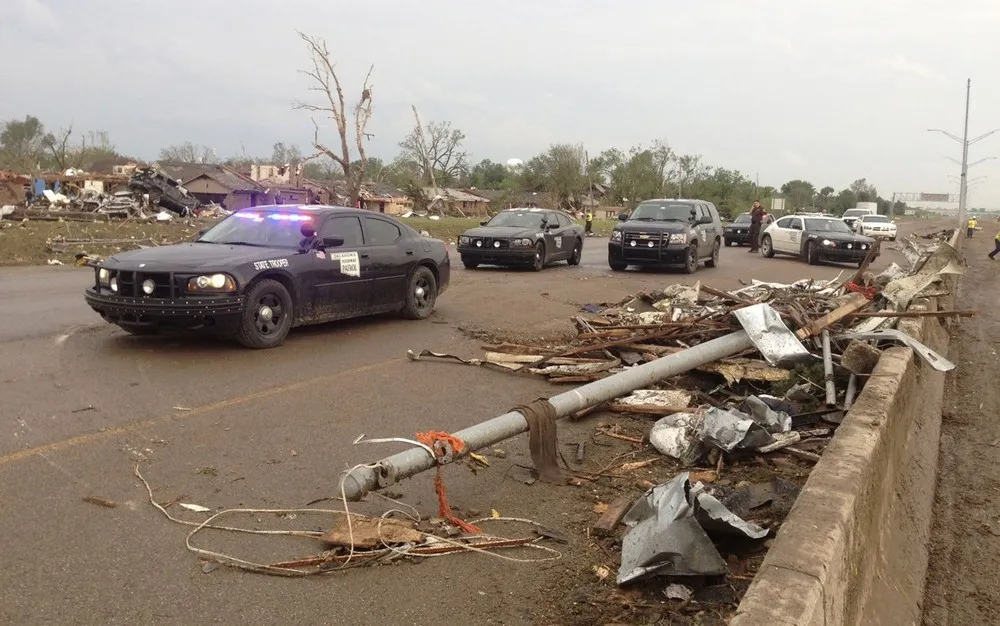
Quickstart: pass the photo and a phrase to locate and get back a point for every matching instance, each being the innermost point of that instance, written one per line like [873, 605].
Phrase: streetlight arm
[980, 161]
[946, 133]
[983, 136]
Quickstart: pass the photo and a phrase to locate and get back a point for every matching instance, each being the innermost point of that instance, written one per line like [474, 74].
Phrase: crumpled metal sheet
[944, 260]
[772, 420]
[670, 528]
[778, 345]
[932, 358]
[678, 436]
[730, 429]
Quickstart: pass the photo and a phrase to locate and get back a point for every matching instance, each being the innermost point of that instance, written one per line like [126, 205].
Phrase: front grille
[643, 240]
[490, 243]
[130, 284]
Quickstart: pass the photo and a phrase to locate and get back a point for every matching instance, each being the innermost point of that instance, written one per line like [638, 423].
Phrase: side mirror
[333, 242]
[484, 223]
[202, 232]
[623, 217]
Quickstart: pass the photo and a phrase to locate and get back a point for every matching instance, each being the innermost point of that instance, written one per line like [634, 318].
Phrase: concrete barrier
[854, 548]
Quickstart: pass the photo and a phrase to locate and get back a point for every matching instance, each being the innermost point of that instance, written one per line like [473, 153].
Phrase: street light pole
[966, 142]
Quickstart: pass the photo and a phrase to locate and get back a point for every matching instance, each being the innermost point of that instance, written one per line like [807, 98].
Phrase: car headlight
[678, 238]
[616, 235]
[827, 242]
[104, 276]
[464, 241]
[114, 285]
[864, 246]
[212, 283]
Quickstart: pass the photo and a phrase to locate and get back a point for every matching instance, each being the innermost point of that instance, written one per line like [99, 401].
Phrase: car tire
[812, 257]
[421, 294]
[267, 315]
[617, 266]
[892, 239]
[767, 246]
[577, 255]
[728, 243]
[139, 330]
[691, 261]
[538, 264]
[469, 263]
[714, 261]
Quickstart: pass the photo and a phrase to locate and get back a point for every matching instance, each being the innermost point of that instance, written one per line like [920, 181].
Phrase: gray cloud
[785, 89]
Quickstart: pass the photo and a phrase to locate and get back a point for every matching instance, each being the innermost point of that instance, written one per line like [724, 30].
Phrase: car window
[796, 224]
[784, 222]
[743, 218]
[563, 220]
[346, 226]
[380, 232]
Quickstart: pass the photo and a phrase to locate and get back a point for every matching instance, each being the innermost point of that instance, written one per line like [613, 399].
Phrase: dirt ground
[963, 585]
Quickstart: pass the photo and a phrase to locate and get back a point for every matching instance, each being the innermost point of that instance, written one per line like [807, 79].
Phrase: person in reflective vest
[970, 227]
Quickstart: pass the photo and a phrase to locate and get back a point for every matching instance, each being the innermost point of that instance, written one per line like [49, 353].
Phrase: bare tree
[438, 150]
[327, 82]
[59, 147]
[188, 152]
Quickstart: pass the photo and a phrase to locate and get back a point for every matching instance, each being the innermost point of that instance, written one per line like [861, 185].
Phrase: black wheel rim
[576, 252]
[692, 257]
[539, 255]
[269, 314]
[715, 253]
[422, 293]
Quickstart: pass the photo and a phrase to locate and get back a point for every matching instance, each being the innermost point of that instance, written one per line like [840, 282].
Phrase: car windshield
[274, 229]
[854, 212]
[876, 218]
[743, 218]
[518, 219]
[826, 226]
[662, 212]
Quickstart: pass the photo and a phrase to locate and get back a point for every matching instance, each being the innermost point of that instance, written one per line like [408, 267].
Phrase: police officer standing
[756, 217]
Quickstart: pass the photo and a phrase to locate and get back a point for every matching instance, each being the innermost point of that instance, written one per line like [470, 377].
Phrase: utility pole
[966, 142]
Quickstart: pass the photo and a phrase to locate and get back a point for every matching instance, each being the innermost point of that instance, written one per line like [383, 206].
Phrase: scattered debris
[100, 502]
[197, 508]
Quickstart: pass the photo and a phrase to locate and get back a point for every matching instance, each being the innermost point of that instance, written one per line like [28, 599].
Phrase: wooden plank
[914, 314]
[855, 303]
[610, 519]
[647, 409]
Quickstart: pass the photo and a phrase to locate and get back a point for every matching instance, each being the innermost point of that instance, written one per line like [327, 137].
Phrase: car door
[794, 242]
[343, 279]
[391, 257]
[779, 234]
[563, 236]
[705, 229]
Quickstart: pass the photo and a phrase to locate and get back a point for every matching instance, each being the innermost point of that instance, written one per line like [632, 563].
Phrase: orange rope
[444, 509]
[869, 292]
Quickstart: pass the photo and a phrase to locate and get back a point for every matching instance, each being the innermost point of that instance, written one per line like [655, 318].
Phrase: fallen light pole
[361, 480]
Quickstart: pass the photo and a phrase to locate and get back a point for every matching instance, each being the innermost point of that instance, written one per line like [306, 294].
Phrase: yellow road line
[131, 427]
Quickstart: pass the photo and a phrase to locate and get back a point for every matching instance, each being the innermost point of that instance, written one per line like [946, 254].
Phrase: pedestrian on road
[996, 247]
[756, 217]
[589, 225]
[970, 227]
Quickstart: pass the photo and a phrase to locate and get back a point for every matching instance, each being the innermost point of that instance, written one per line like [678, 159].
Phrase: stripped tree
[327, 82]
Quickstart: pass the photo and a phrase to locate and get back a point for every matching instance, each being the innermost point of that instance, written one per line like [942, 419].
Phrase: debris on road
[100, 502]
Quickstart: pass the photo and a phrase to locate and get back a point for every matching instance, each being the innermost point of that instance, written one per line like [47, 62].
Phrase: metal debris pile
[813, 345]
[149, 195]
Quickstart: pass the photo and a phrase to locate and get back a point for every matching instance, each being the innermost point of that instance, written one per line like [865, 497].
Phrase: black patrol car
[533, 237]
[667, 232]
[263, 270]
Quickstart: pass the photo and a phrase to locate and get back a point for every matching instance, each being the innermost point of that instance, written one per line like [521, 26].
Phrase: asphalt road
[220, 426]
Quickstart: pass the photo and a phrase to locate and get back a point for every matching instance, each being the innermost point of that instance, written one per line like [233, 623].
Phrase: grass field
[36, 242]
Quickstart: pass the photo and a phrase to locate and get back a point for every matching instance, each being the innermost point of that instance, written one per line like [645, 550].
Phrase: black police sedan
[533, 237]
[738, 231]
[263, 270]
[667, 232]
[815, 239]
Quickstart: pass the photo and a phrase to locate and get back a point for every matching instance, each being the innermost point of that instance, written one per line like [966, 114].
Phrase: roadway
[221, 426]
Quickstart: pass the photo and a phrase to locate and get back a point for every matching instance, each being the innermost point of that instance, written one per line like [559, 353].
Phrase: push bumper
[221, 312]
[500, 256]
[736, 236]
[842, 255]
[672, 254]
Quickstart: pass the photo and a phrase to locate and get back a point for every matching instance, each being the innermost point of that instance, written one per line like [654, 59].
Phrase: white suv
[879, 226]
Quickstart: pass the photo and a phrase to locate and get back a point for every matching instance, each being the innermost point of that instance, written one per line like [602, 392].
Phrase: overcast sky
[820, 90]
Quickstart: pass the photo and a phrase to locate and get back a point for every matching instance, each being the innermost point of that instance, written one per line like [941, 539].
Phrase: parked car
[738, 231]
[533, 237]
[851, 216]
[876, 226]
[667, 232]
[815, 239]
[263, 270]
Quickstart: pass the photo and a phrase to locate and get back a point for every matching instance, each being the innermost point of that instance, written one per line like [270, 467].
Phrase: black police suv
[533, 237]
[667, 232]
[815, 239]
[263, 270]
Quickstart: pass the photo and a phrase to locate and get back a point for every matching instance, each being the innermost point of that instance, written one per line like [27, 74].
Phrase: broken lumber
[610, 519]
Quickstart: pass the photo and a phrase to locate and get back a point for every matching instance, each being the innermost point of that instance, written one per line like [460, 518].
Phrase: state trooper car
[263, 270]
[533, 237]
[815, 239]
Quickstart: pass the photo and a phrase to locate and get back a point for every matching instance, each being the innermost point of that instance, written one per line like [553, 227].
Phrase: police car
[264, 270]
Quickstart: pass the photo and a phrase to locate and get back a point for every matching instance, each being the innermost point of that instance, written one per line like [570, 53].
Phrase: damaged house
[456, 201]
[222, 185]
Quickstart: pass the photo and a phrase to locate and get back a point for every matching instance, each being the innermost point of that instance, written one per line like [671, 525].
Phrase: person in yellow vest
[590, 222]
[996, 247]
[970, 227]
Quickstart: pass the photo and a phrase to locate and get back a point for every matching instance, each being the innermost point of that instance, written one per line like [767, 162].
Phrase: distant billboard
[935, 197]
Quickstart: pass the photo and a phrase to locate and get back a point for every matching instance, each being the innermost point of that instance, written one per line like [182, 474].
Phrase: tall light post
[966, 142]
